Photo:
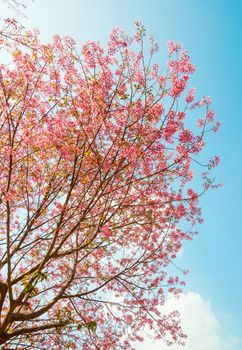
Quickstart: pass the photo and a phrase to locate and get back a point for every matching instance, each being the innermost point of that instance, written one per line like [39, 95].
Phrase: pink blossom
[172, 47]
[178, 86]
[185, 136]
[190, 95]
[216, 127]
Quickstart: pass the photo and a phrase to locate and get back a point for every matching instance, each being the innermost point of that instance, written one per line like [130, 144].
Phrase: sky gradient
[211, 32]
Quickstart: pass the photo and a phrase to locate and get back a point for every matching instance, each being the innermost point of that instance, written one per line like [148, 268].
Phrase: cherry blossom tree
[97, 152]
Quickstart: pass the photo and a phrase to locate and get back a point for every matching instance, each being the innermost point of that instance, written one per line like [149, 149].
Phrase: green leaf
[92, 326]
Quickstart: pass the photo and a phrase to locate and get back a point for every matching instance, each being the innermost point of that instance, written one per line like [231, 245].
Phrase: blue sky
[211, 31]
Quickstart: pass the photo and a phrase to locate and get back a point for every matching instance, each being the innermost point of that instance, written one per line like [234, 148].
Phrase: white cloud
[200, 324]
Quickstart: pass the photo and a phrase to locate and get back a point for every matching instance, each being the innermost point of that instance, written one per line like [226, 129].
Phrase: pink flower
[200, 123]
[214, 162]
[128, 318]
[106, 231]
[178, 86]
[185, 136]
[216, 127]
[172, 47]
[191, 193]
[190, 95]
[210, 115]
